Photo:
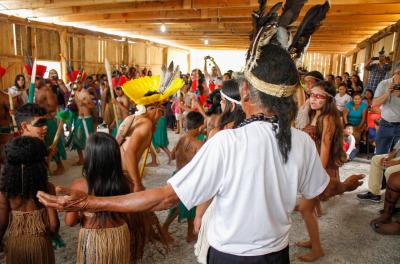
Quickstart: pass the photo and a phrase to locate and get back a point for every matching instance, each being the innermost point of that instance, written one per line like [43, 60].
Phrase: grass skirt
[28, 241]
[51, 133]
[160, 136]
[104, 246]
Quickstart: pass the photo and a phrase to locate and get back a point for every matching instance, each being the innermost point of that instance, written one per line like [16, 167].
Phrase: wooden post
[33, 43]
[188, 62]
[64, 54]
[331, 64]
[165, 56]
[396, 49]
[368, 50]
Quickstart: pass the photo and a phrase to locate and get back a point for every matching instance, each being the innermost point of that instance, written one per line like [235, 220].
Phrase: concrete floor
[345, 233]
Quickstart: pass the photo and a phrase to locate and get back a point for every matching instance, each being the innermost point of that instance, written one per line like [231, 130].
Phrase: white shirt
[254, 191]
[352, 144]
[341, 101]
[391, 108]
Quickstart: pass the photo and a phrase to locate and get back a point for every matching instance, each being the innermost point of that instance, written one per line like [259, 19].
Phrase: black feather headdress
[272, 29]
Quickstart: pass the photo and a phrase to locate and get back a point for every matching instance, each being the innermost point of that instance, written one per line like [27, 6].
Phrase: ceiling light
[163, 28]
[206, 42]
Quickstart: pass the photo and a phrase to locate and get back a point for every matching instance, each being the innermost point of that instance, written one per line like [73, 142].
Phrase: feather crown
[155, 89]
[272, 29]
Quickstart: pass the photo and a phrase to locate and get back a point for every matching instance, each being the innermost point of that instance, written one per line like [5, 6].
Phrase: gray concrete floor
[345, 233]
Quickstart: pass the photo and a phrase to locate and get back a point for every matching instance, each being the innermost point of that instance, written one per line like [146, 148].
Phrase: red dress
[332, 169]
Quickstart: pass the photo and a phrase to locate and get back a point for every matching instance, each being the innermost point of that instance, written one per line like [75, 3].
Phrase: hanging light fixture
[163, 28]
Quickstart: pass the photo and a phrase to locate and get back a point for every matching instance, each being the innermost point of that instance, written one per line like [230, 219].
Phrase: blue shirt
[355, 116]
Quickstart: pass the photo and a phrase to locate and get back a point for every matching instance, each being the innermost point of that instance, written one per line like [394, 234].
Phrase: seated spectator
[390, 164]
[356, 86]
[351, 150]
[342, 98]
[355, 114]
[374, 113]
[331, 79]
[338, 81]
[383, 224]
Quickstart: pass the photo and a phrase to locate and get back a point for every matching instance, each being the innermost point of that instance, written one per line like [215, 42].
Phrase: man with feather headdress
[253, 172]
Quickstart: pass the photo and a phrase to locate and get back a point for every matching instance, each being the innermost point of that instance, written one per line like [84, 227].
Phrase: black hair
[358, 82]
[194, 120]
[228, 74]
[330, 110]
[316, 74]
[231, 88]
[16, 81]
[331, 75]
[343, 84]
[348, 125]
[214, 99]
[102, 170]
[27, 112]
[340, 77]
[25, 168]
[275, 66]
[371, 91]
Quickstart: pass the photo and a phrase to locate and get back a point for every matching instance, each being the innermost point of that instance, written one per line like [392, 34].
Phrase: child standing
[352, 150]
[184, 151]
[104, 236]
[30, 225]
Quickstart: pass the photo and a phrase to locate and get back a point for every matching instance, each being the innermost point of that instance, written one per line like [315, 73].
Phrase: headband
[229, 98]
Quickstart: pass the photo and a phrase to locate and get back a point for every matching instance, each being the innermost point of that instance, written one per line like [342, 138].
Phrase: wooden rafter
[226, 23]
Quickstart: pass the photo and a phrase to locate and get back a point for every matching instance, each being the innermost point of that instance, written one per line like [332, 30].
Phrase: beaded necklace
[261, 117]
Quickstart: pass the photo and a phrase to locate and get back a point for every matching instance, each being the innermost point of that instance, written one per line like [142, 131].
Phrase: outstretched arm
[206, 73]
[150, 200]
[218, 69]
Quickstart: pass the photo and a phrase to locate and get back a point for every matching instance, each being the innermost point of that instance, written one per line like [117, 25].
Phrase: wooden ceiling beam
[198, 4]
[76, 12]
[342, 13]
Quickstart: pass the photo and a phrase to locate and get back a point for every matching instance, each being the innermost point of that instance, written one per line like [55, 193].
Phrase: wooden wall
[80, 47]
[388, 38]
[326, 63]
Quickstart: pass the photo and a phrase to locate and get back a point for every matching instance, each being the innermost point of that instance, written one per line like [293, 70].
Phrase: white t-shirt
[352, 144]
[341, 101]
[391, 108]
[255, 192]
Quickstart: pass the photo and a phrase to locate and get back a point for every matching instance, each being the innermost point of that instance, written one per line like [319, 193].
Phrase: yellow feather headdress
[150, 90]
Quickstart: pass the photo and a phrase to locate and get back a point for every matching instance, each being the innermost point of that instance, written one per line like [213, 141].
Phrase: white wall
[226, 59]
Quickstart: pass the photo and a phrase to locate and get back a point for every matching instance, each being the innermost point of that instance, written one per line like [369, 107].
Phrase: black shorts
[216, 257]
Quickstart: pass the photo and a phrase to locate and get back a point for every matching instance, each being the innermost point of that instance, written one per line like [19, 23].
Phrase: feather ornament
[308, 26]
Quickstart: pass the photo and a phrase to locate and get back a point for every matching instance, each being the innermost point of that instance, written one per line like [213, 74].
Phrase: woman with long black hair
[104, 236]
[30, 225]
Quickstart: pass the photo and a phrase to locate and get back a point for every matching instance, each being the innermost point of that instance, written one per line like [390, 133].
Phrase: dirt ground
[345, 233]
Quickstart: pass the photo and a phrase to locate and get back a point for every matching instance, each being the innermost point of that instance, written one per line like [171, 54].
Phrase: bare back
[185, 150]
[46, 99]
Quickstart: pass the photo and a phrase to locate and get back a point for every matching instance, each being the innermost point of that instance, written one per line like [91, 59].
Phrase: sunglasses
[40, 123]
[318, 96]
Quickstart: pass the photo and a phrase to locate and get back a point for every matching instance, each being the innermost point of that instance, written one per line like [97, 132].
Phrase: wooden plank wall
[80, 48]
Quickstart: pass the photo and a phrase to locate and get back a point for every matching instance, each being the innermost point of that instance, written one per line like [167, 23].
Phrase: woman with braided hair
[31, 225]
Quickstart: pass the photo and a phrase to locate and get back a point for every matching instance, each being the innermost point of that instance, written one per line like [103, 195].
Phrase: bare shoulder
[143, 124]
[328, 121]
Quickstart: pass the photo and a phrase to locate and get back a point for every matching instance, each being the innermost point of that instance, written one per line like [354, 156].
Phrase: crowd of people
[250, 144]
